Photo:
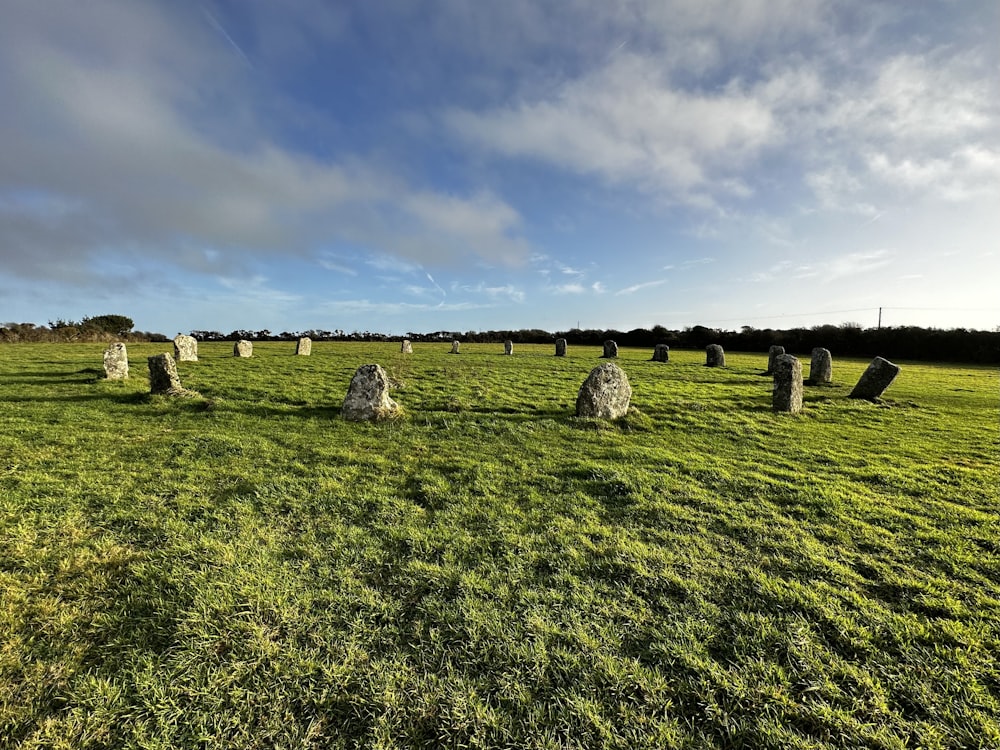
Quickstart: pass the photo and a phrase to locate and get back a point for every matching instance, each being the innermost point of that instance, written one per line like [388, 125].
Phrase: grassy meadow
[248, 570]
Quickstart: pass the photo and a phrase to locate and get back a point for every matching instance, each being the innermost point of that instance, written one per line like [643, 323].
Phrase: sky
[453, 165]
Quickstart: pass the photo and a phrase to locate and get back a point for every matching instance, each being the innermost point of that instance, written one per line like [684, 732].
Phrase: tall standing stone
[661, 353]
[368, 396]
[820, 367]
[787, 393]
[605, 394]
[715, 356]
[508, 347]
[874, 380]
[163, 377]
[304, 347]
[185, 348]
[772, 354]
[116, 362]
[455, 346]
[610, 349]
[243, 348]
[560, 347]
[406, 347]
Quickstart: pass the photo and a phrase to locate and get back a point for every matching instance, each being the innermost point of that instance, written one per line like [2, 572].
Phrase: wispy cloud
[637, 287]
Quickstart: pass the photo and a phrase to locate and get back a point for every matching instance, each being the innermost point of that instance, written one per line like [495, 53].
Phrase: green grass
[247, 570]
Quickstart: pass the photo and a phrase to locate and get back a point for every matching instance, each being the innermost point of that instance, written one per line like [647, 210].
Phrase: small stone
[243, 348]
[163, 377]
[661, 353]
[455, 346]
[610, 349]
[406, 347]
[820, 367]
[116, 362]
[605, 394]
[772, 354]
[879, 376]
[185, 348]
[304, 347]
[787, 392]
[368, 396]
[508, 347]
[560, 347]
[715, 356]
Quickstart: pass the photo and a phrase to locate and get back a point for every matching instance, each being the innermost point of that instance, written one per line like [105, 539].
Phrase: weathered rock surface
[368, 396]
[873, 382]
[661, 353]
[243, 348]
[455, 346]
[560, 347]
[406, 347]
[610, 349]
[605, 394]
[116, 362]
[163, 377]
[820, 367]
[304, 347]
[508, 347]
[787, 393]
[185, 348]
[715, 356]
[772, 354]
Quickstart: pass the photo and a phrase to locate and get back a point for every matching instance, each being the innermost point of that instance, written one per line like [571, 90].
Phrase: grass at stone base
[248, 570]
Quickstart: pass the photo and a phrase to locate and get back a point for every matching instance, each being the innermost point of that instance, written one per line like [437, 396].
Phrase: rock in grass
[610, 349]
[304, 347]
[661, 353]
[560, 347]
[406, 347]
[455, 346]
[185, 348]
[508, 347]
[787, 393]
[772, 354]
[605, 394]
[116, 362]
[368, 396]
[879, 376]
[163, 377]
[820, 367]
[243, 348]
[715, 356]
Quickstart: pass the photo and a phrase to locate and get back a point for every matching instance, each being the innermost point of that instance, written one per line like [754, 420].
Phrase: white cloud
[637, 287]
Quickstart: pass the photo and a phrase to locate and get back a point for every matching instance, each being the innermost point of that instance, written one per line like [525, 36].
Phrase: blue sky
[418, 166]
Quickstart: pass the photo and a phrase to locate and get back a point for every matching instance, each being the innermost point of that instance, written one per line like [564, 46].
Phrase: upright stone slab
[406, 347]
[243, 348]
[772, 354]
[508, 347]
[304, 347]
[163, 377]
[605, 394]
[185, 348]
[116, 362]
[560, 347]
[610, 349]
[787, 393]
[455, 346]
[368, 396]
[715, 356]
[661, 353]
[820, 367]
[874, 380]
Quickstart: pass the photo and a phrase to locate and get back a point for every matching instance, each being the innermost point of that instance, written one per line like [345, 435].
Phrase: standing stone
[304, 347]
[163, 377]
[368, 396]
[243, 348]
[787, 393]
[820, 367]
[772, 354]
[560, 347]
[661, 353]
[406, 347]
[454, 347]
[715, 356]
[116, 362]
[508, 347]
[185, 348]
[605, 393]
[610, 349]
[874, 380]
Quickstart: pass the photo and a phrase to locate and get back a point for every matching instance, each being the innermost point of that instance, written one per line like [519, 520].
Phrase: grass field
[248, 570]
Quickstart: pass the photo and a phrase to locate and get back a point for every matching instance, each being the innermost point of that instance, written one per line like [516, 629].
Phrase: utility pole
[880, 319]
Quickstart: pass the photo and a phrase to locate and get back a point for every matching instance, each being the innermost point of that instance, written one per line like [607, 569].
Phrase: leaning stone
[454, 347]
[116, 361]
[508, 347]
[610, 349]
[406, 347]
[820, 367]
[874, 380]
[787, 393]
[304, 347]
[605, 394]
[243, 348]
[560, 347]
[368, 396]
[715, 356]
[661, 353]
[185, 348]
[163, 377]
[772, 354]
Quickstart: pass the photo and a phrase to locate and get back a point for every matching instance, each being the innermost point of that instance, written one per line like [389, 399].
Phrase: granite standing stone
[661, 353]
[185, 348]
[787, 393]
[560, 347]
[605, 394]
[715, 356]
[610, 349]
[116, 362]
[304, 347]
[163, 377]
[772, 354]
[455, 346]
[508, 347]
[368, 396]
[406, 347]
[243, 348]
[820, 367]
[874, 380]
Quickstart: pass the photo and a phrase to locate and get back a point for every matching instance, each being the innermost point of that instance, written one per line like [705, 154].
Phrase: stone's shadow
[126, 398]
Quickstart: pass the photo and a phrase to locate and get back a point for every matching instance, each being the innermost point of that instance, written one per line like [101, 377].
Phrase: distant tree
[116, 325]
